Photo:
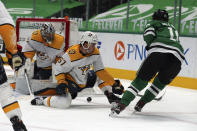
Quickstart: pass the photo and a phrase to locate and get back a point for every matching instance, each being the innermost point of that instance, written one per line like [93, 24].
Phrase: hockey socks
[136, 86]
[153, 91]
[127, 98]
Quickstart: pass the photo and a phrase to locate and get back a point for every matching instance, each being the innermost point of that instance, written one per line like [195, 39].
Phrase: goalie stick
[28, 83]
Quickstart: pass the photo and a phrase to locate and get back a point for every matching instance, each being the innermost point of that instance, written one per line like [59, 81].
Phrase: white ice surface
[177, 111]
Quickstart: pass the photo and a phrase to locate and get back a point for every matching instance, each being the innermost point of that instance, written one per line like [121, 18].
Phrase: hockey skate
[116, 109]
[138, 107]
[17, 124]
[111, 97]
[38, 101]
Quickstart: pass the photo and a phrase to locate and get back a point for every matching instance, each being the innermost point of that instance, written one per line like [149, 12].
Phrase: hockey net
[64, 27]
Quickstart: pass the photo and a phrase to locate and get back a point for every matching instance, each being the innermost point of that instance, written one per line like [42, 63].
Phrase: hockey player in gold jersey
[45, 47]
[72, 72]
[8, 102]
[46, 44]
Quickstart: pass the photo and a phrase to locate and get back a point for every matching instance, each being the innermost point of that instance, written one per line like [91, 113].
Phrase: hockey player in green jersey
[163, 62]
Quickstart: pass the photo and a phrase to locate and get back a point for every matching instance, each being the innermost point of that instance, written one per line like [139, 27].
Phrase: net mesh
[27, 27]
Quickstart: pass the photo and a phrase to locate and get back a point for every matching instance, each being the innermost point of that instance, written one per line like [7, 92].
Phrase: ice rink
[177, 111]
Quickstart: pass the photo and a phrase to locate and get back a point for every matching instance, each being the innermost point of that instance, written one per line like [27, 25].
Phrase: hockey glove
[61, 89]
[18, 60]
[111, 97]
[117, 87]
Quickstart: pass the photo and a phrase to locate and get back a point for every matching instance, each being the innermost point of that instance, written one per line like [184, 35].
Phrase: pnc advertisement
[127, 51]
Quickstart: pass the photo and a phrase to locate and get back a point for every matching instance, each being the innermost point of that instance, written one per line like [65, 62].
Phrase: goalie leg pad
[8, 101]
[39, 87]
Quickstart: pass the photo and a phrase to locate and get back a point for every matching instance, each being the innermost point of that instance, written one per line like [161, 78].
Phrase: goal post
[67, 28]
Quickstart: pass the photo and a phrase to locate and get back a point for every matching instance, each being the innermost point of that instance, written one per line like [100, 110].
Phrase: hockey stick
[156, 98]
[89, 98]
[28, 84]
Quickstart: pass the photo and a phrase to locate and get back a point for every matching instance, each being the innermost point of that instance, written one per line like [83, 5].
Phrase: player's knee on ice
[61, 102]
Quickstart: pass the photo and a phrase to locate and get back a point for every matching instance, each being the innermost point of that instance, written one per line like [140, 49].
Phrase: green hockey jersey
[162, 36]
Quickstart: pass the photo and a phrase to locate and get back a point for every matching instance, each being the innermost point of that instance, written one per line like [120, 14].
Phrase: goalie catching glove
[17, 60]
[28, 66]
[117, 87]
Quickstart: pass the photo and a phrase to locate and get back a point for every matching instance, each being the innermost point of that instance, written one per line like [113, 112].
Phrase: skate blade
[113, 105]
[113, 114]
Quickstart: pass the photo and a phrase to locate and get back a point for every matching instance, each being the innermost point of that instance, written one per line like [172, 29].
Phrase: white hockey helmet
[89, 37]
[48, 32]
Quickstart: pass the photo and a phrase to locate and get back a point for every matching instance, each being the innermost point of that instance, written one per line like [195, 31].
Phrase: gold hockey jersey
[74, 66]
[46, 53]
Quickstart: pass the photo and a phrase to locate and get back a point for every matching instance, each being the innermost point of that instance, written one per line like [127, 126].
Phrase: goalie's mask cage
[47, 31]
[67, 28]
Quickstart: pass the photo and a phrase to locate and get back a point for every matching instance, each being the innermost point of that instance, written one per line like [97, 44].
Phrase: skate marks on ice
[94, 115]
[8, 127]
[158, 116]
[168, 116]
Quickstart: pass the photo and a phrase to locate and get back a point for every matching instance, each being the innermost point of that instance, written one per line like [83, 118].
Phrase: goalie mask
[88, 41]
[160, 15]
[47, 31]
